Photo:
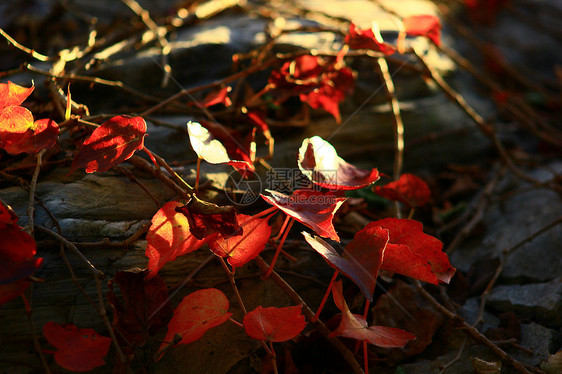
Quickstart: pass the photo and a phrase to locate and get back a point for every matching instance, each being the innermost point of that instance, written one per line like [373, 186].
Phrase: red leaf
[334, 88]
[409, 189]
[243, 248]
[414, 254]
[12, 94]
[168, 238]
[274, 324]
[140, 298]
[311, 208]
[42, 135]
[355, 326]
[17, 250]
[78, 349]
[367, 39]
[11, 291]
[206, 219]
[424, 25]
[361, 258]
[319, 161]
[197, 312]
[19, 134]
[216, 97]
[320, 83]
[110, 144]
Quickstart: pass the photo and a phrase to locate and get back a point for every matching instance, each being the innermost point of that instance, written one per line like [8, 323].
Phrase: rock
[511, 221]
[541, 302]
[538, 339]
[469, 311]
[90, 207]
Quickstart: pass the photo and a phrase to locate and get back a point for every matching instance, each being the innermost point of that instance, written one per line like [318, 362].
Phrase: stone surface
[538, 339]
[541, 302]
[513, 220]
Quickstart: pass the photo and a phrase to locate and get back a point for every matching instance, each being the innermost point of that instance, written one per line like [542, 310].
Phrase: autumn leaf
[217, 145]
[319, 161]
[113, 142]
[367, 39]
[424, 25]
[238, 250]
[355, 326]
[169, 237]
[413, 253]
[17, 251]
[216, 97]
[12, 94]
[274, 324]
[77, 349]
[361, 258]
[140, 299]
[206, 219]
[320, 83]
[311, 208]
[20, 134]
[197, 313]
[409, 189]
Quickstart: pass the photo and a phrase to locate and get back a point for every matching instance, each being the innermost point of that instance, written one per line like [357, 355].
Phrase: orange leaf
[12, 94]
[197, 313]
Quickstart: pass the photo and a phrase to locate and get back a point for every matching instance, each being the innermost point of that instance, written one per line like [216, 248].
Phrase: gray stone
[469, 311]
[92, 206]
[541, 302]
[538, 339]
[513, 220]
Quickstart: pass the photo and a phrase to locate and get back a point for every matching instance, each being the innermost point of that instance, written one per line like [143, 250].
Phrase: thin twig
[21, 47]
[505, 357]
[32, 185]
[36, 343]
[309, 314]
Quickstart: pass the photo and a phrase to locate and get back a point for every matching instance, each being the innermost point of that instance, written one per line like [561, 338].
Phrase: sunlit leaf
[78, 349]
[319, 161]
[274, 324]
[367, 39]
[413, 253]
[197, 313]
[13, 94]
[313, 209]
[238, 250]
[113, 142]
[424, 25]
[169, 237]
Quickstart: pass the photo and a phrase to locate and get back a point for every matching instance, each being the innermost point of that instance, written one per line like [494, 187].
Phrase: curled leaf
[313, 209]
[367, 39]
[319, 161]
[274, 324]
[361, 258]
[206, 218]
[355, 326]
